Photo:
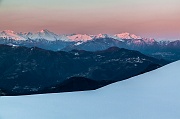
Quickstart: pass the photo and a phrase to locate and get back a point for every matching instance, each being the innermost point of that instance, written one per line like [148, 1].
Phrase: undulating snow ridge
[8, 34]
[107, 36]
[79, 37]
[101, 36]
[127, 36]
[154, 95]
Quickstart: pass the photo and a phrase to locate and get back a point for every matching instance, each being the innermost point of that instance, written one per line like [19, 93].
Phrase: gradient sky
[148, 18]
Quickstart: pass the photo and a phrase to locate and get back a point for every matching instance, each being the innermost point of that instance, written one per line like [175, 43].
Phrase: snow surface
[154, 95]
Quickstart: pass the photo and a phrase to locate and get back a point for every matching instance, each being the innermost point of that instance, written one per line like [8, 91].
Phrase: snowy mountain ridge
[79, 37]
[50, 36]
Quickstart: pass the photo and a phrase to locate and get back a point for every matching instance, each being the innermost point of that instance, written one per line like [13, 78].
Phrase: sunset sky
[148, 18]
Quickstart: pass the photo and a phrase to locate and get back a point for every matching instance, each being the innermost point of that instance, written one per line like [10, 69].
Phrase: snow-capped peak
[127, 36]
[149, 40]
[45, 31]
[43, 34]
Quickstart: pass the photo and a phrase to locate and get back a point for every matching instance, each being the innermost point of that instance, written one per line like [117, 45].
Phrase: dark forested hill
[34, 70]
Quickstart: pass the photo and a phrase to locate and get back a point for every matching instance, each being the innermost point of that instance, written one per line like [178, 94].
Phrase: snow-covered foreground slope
[154, 95]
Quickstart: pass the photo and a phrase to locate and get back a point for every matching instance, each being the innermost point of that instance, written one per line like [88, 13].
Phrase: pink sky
[159, 19]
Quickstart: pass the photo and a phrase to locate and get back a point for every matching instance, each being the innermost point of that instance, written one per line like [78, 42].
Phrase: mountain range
[50, 36]
[169, 50]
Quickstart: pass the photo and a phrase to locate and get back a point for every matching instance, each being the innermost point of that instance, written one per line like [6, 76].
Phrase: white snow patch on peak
[13, 45]
[78, 43]
[80, 37]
